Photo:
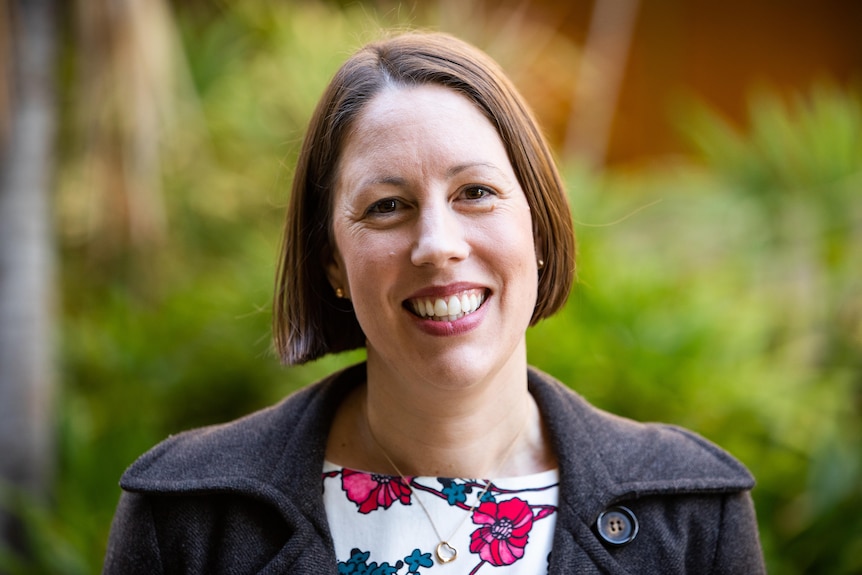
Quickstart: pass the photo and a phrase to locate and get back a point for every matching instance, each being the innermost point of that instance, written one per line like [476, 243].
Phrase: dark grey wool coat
[246, 497]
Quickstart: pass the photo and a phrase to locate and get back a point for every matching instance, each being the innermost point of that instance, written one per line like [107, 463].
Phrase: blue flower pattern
[358, 565]
[418, 559]
[455, 493]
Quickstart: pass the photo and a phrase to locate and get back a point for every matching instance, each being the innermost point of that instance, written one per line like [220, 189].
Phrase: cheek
[518, 249]
[512, 238]
[367, 261]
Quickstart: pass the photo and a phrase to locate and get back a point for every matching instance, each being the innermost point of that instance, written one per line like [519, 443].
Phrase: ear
[336, 273]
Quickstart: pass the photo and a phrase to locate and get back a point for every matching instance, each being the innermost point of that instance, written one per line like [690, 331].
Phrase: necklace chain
[445, 551]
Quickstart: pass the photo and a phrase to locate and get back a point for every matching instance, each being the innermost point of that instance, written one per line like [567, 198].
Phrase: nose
[440, 237]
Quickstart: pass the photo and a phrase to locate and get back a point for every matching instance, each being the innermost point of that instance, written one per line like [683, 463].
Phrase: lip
[448, 328]
[446, 290]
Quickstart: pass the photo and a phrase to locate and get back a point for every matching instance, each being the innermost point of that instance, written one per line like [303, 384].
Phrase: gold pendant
[445, 552]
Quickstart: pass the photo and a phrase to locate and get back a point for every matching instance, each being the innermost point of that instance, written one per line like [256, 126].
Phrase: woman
[428, 224]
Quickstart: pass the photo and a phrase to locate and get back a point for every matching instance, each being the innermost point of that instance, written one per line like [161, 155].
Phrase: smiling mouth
[449, 308]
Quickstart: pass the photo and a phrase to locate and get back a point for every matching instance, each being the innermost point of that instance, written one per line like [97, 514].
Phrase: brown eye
[385, 206]
[476, 193]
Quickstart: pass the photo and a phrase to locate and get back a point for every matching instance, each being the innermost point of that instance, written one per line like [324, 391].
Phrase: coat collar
[605, 458]
[275, 454]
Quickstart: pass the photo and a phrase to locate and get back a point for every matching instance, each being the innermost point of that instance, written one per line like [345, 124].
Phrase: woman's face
[433, 239]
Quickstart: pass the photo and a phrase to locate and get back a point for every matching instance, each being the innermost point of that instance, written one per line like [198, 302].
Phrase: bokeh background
[713, 157]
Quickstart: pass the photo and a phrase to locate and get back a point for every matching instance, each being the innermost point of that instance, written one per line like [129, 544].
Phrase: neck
[450, 429]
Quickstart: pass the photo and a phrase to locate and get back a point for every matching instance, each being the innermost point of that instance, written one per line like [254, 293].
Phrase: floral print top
[379, 527]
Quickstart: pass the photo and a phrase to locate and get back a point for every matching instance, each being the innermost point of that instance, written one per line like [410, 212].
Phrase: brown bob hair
[309, 321]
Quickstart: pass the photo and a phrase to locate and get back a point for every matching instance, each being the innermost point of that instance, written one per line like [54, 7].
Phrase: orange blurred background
[717, 50]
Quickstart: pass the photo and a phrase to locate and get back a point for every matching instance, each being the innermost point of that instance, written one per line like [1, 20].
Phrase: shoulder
[634, 458]
[658, 480]
[248, 452]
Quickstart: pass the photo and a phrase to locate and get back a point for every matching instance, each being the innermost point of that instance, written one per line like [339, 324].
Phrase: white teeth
[449, 309]
[454, 306]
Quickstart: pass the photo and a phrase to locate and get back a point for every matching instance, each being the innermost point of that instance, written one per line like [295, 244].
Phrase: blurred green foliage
[725, 295]
[722, 293]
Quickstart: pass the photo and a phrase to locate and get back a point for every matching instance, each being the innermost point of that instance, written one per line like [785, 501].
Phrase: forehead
[398, 103]
[427, 123]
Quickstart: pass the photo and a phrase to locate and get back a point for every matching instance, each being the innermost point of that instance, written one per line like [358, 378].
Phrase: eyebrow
[400, 182]
[455, 170]
[383, 180]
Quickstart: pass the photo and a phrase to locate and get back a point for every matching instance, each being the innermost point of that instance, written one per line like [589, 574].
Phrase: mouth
[448, 308]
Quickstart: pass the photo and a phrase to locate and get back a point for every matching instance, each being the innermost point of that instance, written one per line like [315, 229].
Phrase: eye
[384, 206]
[477, 193]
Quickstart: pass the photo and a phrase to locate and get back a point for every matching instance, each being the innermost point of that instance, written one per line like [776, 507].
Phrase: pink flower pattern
[504, 532]
[371, 492]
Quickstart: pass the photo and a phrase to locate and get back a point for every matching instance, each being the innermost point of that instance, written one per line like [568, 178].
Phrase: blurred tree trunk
[605, 56]
[27, 138]
[127, 51]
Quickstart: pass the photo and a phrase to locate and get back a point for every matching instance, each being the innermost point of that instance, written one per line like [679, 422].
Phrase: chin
[460, 370]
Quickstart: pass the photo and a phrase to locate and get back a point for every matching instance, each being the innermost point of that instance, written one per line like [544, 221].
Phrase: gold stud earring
[541, 263]
[339, 293]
